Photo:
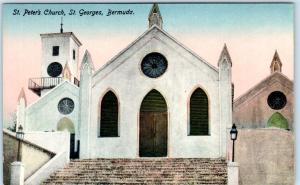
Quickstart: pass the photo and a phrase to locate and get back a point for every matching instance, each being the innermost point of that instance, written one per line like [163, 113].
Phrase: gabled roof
[275, 77]
[154, 28]
[52, 91]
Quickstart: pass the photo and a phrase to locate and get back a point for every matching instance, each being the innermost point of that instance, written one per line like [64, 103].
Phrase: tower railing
[38, 84]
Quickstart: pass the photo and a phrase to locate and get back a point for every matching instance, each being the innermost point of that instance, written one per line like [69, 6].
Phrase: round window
[154, 65]
[54, 69]
[276, 100]
[65, 106]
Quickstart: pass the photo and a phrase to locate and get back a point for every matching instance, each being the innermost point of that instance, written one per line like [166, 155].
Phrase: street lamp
[20, 136]
[233, 135]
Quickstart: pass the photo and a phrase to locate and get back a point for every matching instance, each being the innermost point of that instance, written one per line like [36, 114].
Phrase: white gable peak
[87, 62]
[225, 56]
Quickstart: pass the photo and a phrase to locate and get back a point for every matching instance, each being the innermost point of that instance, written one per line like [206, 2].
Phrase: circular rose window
[154, 65]
[276, 100]
[65, 106]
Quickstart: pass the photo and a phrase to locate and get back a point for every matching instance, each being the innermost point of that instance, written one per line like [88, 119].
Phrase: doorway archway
[65, 124]
[153, 137]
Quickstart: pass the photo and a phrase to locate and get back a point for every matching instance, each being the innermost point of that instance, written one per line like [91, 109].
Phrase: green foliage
[278, 120]
[12, 128]
[12, 122]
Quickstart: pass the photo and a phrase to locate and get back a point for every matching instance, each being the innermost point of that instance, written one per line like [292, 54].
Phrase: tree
[12, 123]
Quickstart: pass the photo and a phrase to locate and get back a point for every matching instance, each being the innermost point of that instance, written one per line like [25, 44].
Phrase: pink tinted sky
[251, 58]
[251, 54]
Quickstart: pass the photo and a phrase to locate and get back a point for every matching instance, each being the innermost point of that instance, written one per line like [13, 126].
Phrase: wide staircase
[142, 171]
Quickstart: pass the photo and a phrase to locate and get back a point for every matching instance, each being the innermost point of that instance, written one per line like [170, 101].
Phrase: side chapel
[270, 103]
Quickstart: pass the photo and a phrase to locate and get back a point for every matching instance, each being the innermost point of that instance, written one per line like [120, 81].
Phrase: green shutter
[154, 102]
[109, 115]
[199, 113]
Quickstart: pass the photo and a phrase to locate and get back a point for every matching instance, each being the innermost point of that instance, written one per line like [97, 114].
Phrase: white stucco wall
[32, 155]
[43, 115]
[185, 73]
[55, 142]
[73, 64]
[33, 159]
[59, 161]
[59, 143]
[66, 45]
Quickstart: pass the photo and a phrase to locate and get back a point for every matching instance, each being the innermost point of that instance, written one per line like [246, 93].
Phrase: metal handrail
[44, 82]
[38, 84]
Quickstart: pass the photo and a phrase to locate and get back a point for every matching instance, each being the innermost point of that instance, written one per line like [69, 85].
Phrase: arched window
[198, 113]
[278, 120]
[109, 115]
[65, 124]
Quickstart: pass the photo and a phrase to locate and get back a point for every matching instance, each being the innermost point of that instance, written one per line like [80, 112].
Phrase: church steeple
[154, 17]
[276, 64]
[22, 96]
[224, 56]
[87, 62]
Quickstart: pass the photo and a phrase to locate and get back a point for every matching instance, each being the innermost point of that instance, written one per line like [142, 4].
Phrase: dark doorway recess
[153, 126]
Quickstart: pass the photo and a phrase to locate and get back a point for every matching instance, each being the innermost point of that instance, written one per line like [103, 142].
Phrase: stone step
[132, 169]
[95, 177]
[142, 171]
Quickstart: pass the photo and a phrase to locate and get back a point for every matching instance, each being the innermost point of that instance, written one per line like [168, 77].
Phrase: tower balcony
[39, 84]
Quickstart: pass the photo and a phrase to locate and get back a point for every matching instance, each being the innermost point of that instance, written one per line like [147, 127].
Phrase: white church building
[156, 98]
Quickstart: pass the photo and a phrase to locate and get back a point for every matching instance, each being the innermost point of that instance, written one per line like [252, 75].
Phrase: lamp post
[20, 136]
[233, 136]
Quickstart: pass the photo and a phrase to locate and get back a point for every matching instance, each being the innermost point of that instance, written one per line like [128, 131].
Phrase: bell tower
[58, 49]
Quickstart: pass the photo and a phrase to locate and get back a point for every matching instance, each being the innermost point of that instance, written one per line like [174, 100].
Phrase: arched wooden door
[153, 135]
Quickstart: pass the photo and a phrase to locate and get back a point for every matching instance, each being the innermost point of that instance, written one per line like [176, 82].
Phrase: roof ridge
[257, 85]
[141, 36]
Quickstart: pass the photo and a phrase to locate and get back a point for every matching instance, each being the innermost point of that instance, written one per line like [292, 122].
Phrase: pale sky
[252, 33]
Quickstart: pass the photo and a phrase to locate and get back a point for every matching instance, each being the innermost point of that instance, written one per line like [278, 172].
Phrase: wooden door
[153, 134]
[160, 134]
[72, 146]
